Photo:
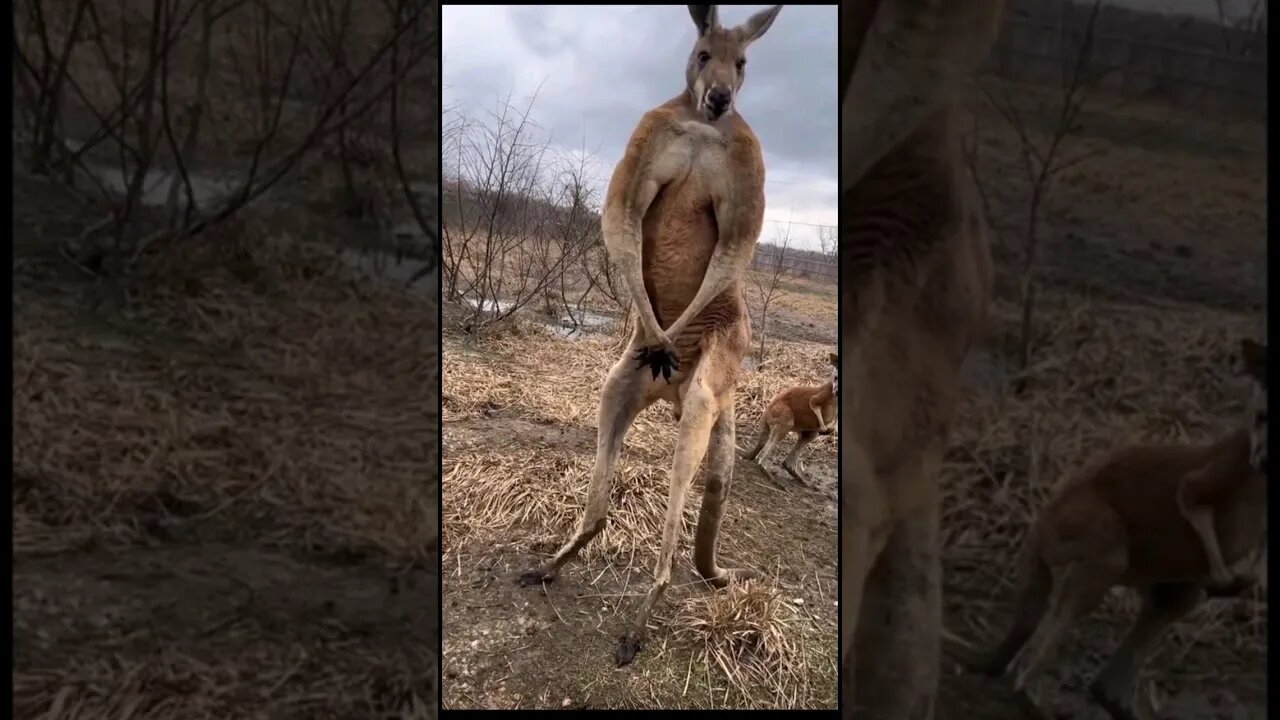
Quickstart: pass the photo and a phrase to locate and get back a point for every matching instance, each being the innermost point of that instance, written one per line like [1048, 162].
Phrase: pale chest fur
[681, 228]
[696, 159]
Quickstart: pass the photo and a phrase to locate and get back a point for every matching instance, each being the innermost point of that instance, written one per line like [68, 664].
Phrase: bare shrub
[245, 90]
[767, 280]
[521, 220]
[1043, 156]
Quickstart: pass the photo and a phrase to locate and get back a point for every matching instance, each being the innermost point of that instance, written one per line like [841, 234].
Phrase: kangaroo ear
[1254, 356]
[757, 24]
[705, 17]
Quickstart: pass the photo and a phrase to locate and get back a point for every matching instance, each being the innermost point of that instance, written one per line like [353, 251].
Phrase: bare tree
[151, 93]
[515, 224]
[1044, 157]
[827, 242]
[1242, 32]
[767, 280]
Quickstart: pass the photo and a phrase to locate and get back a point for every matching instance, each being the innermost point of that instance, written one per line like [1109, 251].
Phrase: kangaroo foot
[1110, 701]
[728, 576]
[1236, 587]
[799, 475]
[536, 577]
[628, 647]
[1030, 708]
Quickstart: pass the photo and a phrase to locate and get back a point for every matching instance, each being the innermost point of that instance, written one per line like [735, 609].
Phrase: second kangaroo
[809, 410]
[1170, 521]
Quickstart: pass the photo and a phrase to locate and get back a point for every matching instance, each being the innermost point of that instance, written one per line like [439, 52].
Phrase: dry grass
[257, 431]
[752, 633]
[316, 410]
[803, 297]
[175, 685]
[487, 493]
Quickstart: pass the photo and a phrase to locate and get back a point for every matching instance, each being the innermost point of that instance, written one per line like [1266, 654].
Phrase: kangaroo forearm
[817, 411]
[721, 272]
[622, 242]
[634, 277]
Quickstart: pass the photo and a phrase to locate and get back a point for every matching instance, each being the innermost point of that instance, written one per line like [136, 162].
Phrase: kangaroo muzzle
[718, 101]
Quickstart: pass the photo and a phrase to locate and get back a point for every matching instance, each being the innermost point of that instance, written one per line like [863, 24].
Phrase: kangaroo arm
[631, 191]
[816, 407]
[739, 215]
[1207, 486]
[914, 56]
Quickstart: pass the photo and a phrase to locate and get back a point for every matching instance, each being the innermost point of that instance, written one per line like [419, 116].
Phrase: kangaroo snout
[718, 100]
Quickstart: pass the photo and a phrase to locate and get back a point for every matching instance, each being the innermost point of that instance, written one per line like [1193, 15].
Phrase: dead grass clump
[486, 495]
[749, 632]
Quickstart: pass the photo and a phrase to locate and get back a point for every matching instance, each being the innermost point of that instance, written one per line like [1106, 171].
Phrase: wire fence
[1144, 56]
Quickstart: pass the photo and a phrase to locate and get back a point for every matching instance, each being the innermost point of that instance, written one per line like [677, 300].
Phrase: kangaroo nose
[719, 99]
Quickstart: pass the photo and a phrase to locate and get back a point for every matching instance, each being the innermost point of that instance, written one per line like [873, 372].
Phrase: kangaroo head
[1254, 356]
[834, 359]
[718, 62]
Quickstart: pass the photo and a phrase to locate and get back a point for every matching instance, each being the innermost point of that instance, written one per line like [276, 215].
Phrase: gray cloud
[596, 69]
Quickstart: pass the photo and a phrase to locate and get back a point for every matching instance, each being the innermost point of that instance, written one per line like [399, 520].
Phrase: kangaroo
[682, 215]
[1122, 522]
[915, 290]
[809, 410]
[1203, 487]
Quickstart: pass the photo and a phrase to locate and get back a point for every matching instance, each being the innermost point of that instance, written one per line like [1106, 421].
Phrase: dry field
[1154, 268]
[519, 443]
[225, 481]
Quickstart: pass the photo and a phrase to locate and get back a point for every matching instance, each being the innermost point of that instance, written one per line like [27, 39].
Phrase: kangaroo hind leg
[621, 400]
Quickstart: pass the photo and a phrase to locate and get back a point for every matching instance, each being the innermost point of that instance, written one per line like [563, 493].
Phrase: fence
[819, 269]
[1038, 48]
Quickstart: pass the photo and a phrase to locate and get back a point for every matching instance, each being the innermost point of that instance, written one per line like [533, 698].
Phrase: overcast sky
[601, 67]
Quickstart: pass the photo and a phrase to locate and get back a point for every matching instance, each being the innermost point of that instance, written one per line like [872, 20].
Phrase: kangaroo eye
[704, 56]
[742, 62]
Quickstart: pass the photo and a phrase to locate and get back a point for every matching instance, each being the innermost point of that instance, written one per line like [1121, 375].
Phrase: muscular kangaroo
[682, 215]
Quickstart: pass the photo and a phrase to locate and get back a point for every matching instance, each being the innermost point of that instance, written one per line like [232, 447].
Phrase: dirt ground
[515, 430]
[225, 481]
[1154, 266]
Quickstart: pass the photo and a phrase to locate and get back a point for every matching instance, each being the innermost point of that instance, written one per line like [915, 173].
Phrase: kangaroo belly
[680, 235]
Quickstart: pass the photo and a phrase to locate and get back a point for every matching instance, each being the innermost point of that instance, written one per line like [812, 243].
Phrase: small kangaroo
[810, 410]
[1128, 521]
[1203, 488]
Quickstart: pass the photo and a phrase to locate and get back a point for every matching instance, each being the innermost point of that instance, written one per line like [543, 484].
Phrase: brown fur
[1122, 522]
[682, 214]
[807, 410]
[915, 287]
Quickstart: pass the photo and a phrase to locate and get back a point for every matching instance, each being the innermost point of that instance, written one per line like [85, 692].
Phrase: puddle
[385, 267]
[587, 321]
[209, 190]
[155, 185]
[490, 306]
